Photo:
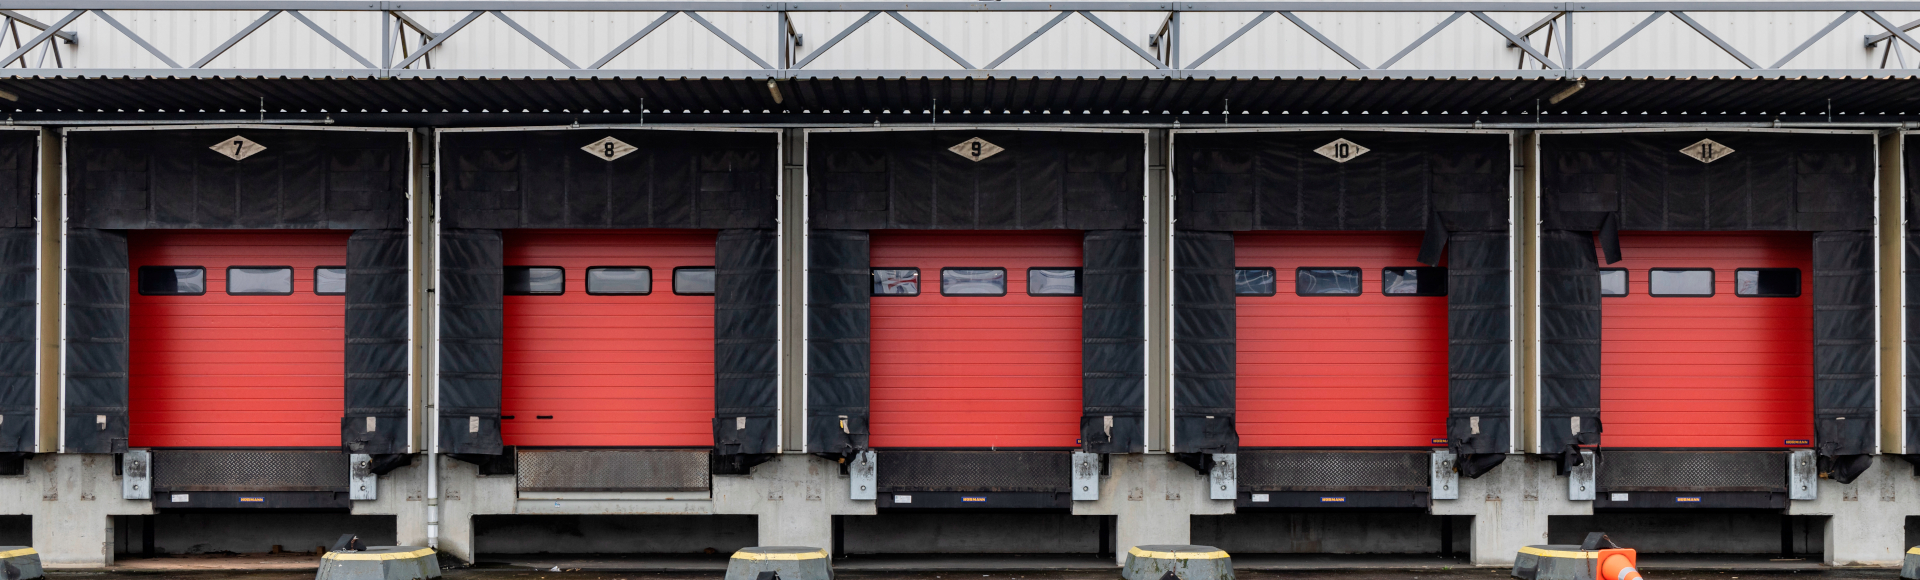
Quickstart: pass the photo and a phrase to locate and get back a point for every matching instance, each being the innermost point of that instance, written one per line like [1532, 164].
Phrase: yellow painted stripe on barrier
[1914, 550]
[388, 556]
[1545, 553]
[1214, 555]
[814, 555]
[18, 553]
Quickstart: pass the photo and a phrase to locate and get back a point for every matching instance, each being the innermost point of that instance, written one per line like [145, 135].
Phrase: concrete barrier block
[20, 563]
[1909, 566]
[1554, 562]
[381, 563]
[1185, 562]
[790, 562]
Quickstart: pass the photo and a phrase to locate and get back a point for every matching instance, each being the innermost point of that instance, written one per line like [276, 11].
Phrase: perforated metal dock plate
[966, 470]
[613, 470]
[1275, 470]
[249, 470]
[1692, 471]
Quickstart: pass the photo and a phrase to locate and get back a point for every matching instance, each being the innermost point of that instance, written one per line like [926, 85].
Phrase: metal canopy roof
[1873, 96]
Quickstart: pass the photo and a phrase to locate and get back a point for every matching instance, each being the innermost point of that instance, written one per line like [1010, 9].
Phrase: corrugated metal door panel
[609, 371]
[1338, 371]
[1717, 372]
[237, 371]
[976, 371]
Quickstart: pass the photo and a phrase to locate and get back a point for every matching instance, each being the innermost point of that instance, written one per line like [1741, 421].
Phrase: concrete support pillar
[1510, 506]
[1153, 499]
[793, 499]
[465, 493]
[402, 495]
[1867, 521]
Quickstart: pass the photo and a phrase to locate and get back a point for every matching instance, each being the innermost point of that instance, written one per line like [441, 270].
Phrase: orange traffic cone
[1618, 565]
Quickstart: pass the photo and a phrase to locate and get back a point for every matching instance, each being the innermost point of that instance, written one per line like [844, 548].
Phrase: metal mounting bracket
[1086, 476]
[362, 484]
[1581, 485]
[1223, 479]
[1803, 475]
[1445, 482]
[863, 481]
[136, 474]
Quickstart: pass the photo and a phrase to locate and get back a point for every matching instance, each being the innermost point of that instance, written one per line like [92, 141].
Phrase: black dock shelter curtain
[472, 339]
[375, 422]
[1093, 182]
[1911, 273]
[1452, 186]
[1596, 184]
[839, 292]
[98, 289]
[611, 179]
[746, 348]
[1569, 345]
[254, 178]
[1204, 333]
[19, 161]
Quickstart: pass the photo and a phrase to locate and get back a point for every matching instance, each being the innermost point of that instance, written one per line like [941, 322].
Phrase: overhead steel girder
[784, 66]
[1006, 6]
[849, 74]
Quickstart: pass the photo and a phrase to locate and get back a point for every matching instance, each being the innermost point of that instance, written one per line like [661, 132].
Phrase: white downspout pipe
[433, 351]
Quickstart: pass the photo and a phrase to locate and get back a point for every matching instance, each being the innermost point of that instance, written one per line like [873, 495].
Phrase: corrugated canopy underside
[124, 94]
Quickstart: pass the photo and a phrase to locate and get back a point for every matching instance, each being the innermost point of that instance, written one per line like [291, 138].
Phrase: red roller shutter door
[609, 370]
[1338, 371]
[1708, 372]
[217, 370]
[976, 371]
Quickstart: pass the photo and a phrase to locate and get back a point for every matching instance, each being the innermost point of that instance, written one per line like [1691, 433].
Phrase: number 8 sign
[609, 148]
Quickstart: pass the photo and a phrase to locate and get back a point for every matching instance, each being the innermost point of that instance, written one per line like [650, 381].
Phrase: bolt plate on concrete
[1223, 481]
[976, 149]
[238, 148]
[362, 484]
[1803, 475]
[1446, 476]
[1580, 482]
[863, 481]
[1086, 476]
[1706, 151]
[136, 474]
[1342, 150]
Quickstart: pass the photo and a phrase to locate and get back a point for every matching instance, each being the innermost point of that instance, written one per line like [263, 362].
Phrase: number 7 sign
[238, 147]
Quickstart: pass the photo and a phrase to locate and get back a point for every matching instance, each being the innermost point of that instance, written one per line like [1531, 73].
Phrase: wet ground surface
[1009, 567]
[1109, 574]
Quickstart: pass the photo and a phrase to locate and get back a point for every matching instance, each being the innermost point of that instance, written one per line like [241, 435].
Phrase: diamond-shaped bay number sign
[238, 147]
[1707, 151]
[609, 148]
[976, 149]
[1342, 150]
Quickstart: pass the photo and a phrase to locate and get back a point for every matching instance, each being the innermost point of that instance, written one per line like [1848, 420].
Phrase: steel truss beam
[788, 64]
